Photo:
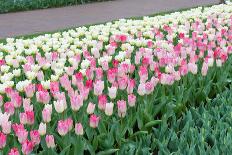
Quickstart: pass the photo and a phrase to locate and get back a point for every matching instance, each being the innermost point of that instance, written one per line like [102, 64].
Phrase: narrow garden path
[30, 22]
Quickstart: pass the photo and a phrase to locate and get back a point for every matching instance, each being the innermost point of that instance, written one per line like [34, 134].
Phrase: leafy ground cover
[202, 130]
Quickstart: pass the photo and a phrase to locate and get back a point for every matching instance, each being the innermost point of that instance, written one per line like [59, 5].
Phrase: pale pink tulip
[76, 102]
[131, 100]
[98, 88]
[50, 141]
[90, 108]
[112, 92]
[42, 129]
[204, 69]
[79, 129]
[121, 108]
[46, 114]
[30, 90]
[141, 89]
[62, 127]
[109, 109]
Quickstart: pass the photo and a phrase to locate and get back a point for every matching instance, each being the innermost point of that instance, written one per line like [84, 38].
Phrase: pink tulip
[27, 104]
[40, 76]
[17, 128]
[102, 99]
[154, 80]
[89, 73]
[89, 84]
[60, 106]
[99, 73]
[204, 69]
[30, 90]
[9, 108]
[30, 59]
[79, 77]
[30, 117]
[76, 102]
[9, 91]
[131, 100]
[2, 140]
[132, 69]
[98, 88]
[109, 109]
[14, 151]
[6, 127]
[93, 121]
[183, 68]
[121, 108]
[27, 147]
[90, 108]
[122, 82]
[15, 63]
[43, 97]
[69, 122]
[84, 93]
[54, 87]
[192, 67]
[23, 118]
[27, 67]
[131, 85]
[16, 99]
[22, 135]
[65, 82]
[62, 127]
[111, 75]
[115, 63]
[95, 52]
[70, 70]
[105, 65]
[79, 129]
[149, 87]
[46, 114]
[35, 137]
[50, 141]
[143, 74]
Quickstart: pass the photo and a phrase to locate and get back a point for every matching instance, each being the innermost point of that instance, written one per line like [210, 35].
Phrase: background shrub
[22, 5]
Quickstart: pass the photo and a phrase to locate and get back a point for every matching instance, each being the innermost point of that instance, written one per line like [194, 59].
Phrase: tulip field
[131, 86]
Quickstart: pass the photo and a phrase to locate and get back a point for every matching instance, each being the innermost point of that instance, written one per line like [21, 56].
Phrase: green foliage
[22, 5]
[203, 130]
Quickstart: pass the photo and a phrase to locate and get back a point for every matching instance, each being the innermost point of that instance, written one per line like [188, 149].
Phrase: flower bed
[93, 89]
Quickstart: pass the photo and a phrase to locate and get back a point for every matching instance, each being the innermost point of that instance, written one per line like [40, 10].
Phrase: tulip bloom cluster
[102, 71]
